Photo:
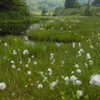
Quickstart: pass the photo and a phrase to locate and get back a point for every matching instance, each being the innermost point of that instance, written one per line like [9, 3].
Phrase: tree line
[75, 3]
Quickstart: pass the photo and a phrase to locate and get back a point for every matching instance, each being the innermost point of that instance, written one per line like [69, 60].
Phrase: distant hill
[85, 1]
[49, 5]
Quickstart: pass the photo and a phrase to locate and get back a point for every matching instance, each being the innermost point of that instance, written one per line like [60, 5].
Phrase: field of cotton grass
[52, 67]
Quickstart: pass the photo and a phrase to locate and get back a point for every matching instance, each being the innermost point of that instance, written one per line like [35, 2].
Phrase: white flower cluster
[66, 79]
[40, 86]
[53, 84]
[52, 58]
[95, 79]
[79, 44]
[79, 93]
[80, 52]
[50, 71]
[5, 44]
[35, 63]
[28, 72]
[2, 86]
[75, 80]
[73, 45]
[25, 52]
[88, 56]
[77, 66]
[14, 52]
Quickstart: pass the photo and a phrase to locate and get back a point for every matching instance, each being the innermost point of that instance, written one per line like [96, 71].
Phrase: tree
[96, 3]
[87, 11]
[69, 3]
[43, 13]
[14, 8]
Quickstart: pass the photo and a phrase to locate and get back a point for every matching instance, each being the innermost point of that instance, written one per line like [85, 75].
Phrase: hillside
[49, 5]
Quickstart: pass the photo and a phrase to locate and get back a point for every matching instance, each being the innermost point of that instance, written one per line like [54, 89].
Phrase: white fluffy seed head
[2, 86]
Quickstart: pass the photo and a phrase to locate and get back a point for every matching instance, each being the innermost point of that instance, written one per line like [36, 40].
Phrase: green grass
[77, 11]
[32, 20]
[65, 30]
[16, 81]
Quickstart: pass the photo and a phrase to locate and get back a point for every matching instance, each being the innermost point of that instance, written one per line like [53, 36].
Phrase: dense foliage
[96, 3]
[70, 3]
[12, 9]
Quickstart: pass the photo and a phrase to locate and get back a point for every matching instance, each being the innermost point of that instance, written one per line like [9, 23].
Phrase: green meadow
[56, 62]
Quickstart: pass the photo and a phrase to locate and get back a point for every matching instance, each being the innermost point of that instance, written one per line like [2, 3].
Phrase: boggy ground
[45, 70]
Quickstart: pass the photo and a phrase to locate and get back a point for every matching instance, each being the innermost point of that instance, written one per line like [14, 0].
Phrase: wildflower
[77, 66]
[79, 93]
[78, 71]
[2, 86]
[78, 82]
[73, 78]
[88, 56]
[62, 62]
[95, 79]
[72, 72]
[29, 60]
[52, 85]
[66, 79]
[40, 86]
[31, 84]
[28, 72]
[13, 66]
[20, 62]
[18, 49]
[49, 69]
[73, 45]
[66, 51]
[90, 62]
[79, 44]
[32, 56]
[15, 40]
[12, 62]
[5, 44]
[91, 47]
[26, 65]
[86, 64]
[25, 52]
[25, 85]
[18, 69]
[35, 63]
[14, 52]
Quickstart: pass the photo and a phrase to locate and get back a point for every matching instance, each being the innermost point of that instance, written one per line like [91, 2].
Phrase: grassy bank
[44, 70]
[65, 30]
[31, 20]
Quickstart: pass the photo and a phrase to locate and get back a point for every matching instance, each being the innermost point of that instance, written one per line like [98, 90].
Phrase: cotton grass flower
[13, 66]
[78, 71]
[27, 65]
[78, 82]
[88, 56]
[25, 52]
[77, 66]
[73, 78]
[40, 86]
[79, 93]
[5, 44]
[12, 62]
[14, 52]
[35, 63]
[28, 72]
[95, 79]
[73, 45]
[2, 86]
[52, 85]
[66, 79]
